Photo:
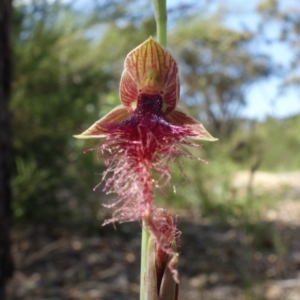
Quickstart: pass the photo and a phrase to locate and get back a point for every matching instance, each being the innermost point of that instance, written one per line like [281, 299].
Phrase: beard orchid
[142, 136]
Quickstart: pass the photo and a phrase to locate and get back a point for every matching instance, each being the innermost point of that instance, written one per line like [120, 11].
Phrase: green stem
[160, 12]
[145, 239]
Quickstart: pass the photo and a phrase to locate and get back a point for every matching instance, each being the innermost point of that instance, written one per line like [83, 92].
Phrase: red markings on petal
[99, 128]
[198, 132]
[150, 69]
[128, 91]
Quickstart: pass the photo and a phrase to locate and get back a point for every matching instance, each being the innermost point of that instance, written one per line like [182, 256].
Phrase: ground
[232, 260]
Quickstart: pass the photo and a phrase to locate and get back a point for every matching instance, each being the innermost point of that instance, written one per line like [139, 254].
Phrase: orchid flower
[149, 88]
[142, 136]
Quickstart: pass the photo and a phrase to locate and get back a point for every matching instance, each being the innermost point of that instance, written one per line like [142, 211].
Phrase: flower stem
[160, 11]
[145, 240]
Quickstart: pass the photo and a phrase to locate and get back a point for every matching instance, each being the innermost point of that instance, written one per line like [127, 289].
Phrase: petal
[150, 69]
[128, 91]
[198, 132]
[99, 129]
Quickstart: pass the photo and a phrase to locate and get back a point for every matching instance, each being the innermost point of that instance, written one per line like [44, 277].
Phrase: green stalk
[145, 240]
[160, 12]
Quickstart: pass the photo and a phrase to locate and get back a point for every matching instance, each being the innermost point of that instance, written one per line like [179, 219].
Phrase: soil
[233, 260]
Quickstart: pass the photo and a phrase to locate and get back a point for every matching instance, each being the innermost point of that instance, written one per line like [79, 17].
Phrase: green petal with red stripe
[99, 128]
[198, 132]
[152, 70]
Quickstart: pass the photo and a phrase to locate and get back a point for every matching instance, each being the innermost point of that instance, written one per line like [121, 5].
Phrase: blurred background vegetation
[68, 58]
[67, 64]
